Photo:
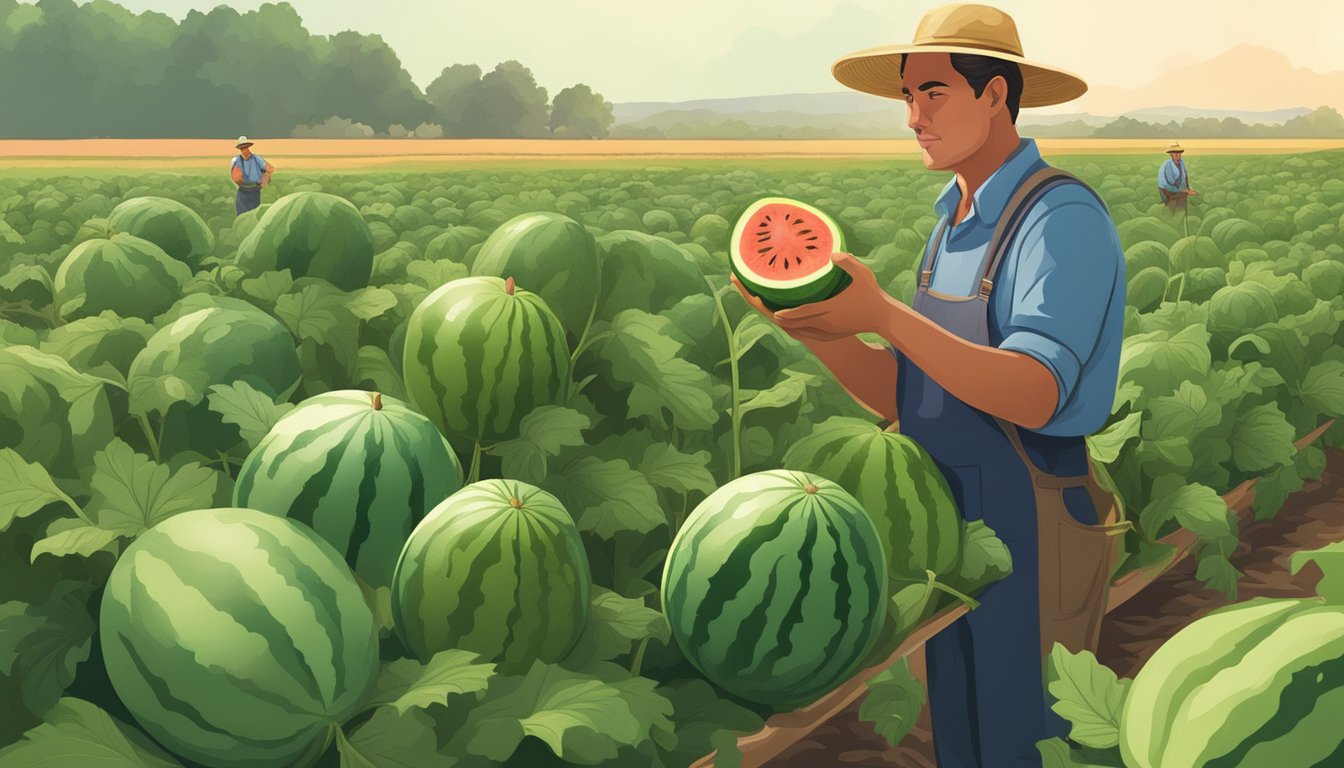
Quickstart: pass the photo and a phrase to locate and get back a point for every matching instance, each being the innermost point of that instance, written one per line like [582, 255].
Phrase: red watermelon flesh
[781, 252]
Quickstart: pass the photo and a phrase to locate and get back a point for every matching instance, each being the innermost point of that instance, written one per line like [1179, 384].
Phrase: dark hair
[979, 70]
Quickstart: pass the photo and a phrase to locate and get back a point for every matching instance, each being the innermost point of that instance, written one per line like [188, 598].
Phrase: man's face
[246, 151]
[949, 122]
[1177, 157]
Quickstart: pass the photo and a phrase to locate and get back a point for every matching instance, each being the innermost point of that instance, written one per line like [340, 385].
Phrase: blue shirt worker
[1173, 180]
[251, 173]
[1007, 359]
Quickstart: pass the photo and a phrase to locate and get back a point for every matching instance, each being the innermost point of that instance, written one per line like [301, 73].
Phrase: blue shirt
[1172, 177]
[1060, 292]
[253, 167]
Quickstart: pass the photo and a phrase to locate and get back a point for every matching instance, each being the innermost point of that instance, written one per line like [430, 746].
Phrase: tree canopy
[100, 70]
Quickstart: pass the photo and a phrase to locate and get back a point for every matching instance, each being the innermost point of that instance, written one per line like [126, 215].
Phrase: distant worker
[1173, 180]
[251, 173]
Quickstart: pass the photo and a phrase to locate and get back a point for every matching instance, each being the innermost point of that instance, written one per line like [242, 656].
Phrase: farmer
[251, 173]
[1173, 181]
[1008, 358]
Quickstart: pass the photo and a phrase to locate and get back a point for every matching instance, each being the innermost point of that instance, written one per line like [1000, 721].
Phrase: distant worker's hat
[1175, 148]
[242, 142]
[980, 30]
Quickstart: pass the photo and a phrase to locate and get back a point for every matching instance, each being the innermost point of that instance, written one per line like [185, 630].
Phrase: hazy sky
[639, 50]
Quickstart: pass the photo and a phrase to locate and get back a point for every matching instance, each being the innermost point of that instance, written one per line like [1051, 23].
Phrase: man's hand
[857, 309]
[1191, 192]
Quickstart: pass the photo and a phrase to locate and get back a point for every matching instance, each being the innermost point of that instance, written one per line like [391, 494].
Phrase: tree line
[100, 70]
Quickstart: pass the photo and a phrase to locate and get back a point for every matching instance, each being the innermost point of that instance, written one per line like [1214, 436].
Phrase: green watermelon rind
[1256, 683]
[510, 583]
[236, 638]
[476, 360]
[361, 478]
[829, 281]
[734, 594]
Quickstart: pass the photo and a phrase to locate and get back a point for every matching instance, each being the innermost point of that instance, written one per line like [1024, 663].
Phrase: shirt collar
[990, 199]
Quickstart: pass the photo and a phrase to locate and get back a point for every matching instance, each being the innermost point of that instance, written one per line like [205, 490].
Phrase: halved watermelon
[781, 251]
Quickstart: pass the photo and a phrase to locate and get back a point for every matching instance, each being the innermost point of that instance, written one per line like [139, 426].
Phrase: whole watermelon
[201, 342]
[128, 275]
[313, 234]
[235, 637]
[177, 229]
[899, 486]
[1259, 683]
[549, 254]
[644, 272]
[480, 355]
[359, 467]
[497, 568]
[775, 586]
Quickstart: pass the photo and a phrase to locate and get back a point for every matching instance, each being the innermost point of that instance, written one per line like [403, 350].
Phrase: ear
[997, 91]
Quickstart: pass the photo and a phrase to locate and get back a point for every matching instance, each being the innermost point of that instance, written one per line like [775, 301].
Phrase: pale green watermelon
[125, 274]
[313, 234]
[550, 255]
[237, 638]
[177, 229]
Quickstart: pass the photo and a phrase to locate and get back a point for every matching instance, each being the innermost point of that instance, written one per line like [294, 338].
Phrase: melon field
[494, 466]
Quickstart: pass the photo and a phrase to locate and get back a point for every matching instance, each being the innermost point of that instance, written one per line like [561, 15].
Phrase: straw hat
[1175, 148]
[242, 142]
[959, 28]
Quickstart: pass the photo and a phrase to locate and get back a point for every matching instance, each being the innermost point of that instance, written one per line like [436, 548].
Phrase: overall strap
[931, 254]
[1010, 221]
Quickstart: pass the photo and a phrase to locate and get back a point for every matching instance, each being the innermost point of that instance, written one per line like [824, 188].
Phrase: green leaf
[910, 605]
[41, 645]
[78, 734]
[392, 740]
[1159, 361]
[25, 488]
[521, 460]
[83, 541]
[607, 496]
[253, 412]
[642, 352]
[1323, 388]
[581, 718]
[1182, 415]
[984, 560]
[1056, 753]
[9, 234]
[667, 467]
[314, 313]
[268, 287]
[1195, 506]
[407, 684]
[30, 273]
[1088, 695]
[752, 329]
[375, 370]
[615, 625]
[894, 701]
[784, 393]
[432, 274]
[1262, 438]
[1330, 559]
[1218, 572]
[372, 302]
[379, 600]
[727, 754]
[131, 493]
[1105, 446]
[700, 717]
[552, 428]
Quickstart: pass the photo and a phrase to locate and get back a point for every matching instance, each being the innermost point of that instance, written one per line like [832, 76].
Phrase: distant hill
[1222, 82]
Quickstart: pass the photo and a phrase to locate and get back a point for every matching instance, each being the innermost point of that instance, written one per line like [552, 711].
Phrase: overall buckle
[986, 287]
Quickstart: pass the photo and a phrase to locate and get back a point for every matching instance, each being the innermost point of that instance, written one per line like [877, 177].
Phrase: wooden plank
[786, 728]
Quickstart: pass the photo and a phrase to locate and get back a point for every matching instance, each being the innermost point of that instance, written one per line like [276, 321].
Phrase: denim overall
[986, 692]
[249, 193]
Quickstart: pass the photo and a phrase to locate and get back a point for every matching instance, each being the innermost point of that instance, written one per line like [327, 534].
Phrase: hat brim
[244, 144]
[878, 71]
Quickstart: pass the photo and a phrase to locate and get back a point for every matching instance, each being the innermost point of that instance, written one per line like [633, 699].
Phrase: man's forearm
[866, 372]
[1003, 383]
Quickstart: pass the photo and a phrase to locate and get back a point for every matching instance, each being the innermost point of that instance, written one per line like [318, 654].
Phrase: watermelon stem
[314, 754]
[737, 386]
[143, 419]
[578, 347]
[970, 602]
[475, 473]
[639, 657]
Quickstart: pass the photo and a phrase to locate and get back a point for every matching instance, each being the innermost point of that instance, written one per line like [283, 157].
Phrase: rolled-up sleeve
[1062, 293]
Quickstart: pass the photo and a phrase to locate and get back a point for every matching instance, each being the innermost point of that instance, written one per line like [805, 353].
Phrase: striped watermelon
[1260, 683]
[774, 586]
[128, 275]
[236, 637]
[174, 227]
[360, 468]
[553, 255]
[899, 485]
[498, 568]
[480, 355]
